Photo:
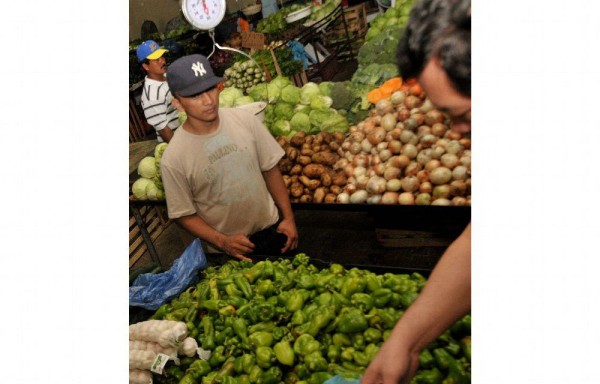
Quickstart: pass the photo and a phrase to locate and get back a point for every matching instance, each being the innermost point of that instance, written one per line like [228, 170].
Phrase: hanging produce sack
[150, 291]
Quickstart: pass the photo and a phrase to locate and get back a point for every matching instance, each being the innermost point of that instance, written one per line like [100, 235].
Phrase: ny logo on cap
[198, 69]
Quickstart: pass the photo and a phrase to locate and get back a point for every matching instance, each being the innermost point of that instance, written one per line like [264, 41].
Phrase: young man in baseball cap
[220, 170]
[156, 96]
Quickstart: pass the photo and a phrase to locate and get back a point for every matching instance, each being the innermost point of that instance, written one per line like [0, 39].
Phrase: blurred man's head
[436, 49]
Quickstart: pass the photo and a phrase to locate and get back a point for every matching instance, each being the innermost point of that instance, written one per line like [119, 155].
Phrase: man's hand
[288, 228]
[237, 246]
[393, 364]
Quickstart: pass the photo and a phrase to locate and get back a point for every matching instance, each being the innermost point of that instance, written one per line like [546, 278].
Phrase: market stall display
[149, 185]
[289, 320]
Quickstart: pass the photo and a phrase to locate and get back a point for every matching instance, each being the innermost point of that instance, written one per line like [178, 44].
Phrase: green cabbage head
[274, 92]
[284, 111]
[243, 101]
[258, 92]
[228, 96]
[308, 91]
[281, 128]
[139, 188]
[281, 82]
[147, 167]
[300, 122]
[321, 102]
[290, 94]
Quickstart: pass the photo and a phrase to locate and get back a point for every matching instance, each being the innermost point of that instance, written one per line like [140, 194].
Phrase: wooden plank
[139, 150]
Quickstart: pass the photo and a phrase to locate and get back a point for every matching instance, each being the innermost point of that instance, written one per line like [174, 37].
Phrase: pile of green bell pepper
[286, 321]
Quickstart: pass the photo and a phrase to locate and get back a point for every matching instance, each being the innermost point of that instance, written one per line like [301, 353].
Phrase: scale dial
[203, 14]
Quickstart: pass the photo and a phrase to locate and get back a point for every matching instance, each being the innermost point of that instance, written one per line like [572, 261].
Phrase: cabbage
[153, 192]
[274, 92]
[139, 188]
[308, 91]
[302, 108]
[159, 150]
[300, 122]
[284, 111]
[147, 167]
[325, 88]
[334, 123]
[317, 117]
[243, 101]
[321, 102]
[258, 92]
[228, 96]
[281, 82]
[290, 94]
[281, 128]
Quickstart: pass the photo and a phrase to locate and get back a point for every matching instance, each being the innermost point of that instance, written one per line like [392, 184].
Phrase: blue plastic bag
[339, 379]
[151, 290]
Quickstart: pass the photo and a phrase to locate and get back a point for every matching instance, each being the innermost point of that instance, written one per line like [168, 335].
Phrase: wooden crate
[356, 23]
[253, 40]
[155, 220]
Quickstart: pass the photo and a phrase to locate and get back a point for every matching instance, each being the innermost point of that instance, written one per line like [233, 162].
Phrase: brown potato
[325, 157]
[311, 184]
[282, 141]
[318, 139]
[319, 195]
[287, 180]
[339, 137]
[336, 189]
[296, 190]
[334, 146]
[303, 160]
[309, 139]
[294, 179]
[340, 178]
[291, 153]
[296, 170]
[326, 179]
[330, 198]
[313, 171]
[297, 140]
[327, 137]
[306, 152]
[285, 165]
[316, 148]
[306, 199]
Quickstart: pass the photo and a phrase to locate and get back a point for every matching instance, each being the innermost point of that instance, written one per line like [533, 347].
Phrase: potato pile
[307, 166]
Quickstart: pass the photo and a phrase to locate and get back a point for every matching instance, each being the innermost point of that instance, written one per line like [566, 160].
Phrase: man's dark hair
[438, 28]
[145, 61]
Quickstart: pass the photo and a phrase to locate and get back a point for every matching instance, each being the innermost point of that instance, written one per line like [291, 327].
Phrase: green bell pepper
[363, 301]
[334, 353]
[352, 320]
[426, 359]
[177, 315]
[442, 358]
[174, 371]
[298, 318]
[267, 326]
[161, 312]
[302, 371]
[295, 302]
[336, 269]
[342, 340]
[255, 272]
[372, 335]
[236, 301]
[280, 333]
[187, 379]
[265, 288]
[319, 377]
[361, 359]
[352, 285]
[221, 336]
[233, 290]
[347, 354]
[315, 361]
[306, 344]
[198, 369]
[241, 330]
[243, 379]
[242, 283]
[260, 339]
[214, 289]
[381, 297]
[456, 373]
[284, 353]
[323, 281]
[358, 341]
[255, 374]
[210, 378]
[465, 345]
[272, 375]
[208, 341]
[305, 282]
[320, 319]
[217, 357]
[264, 357]
[371, 351]
[373, 282]
[428, 376]
[248, 361]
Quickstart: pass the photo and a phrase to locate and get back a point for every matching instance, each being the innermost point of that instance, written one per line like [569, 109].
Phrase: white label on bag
[159, 363]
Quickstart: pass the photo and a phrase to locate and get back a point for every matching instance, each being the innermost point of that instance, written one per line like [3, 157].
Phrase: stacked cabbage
[292, 109]
[149, 186]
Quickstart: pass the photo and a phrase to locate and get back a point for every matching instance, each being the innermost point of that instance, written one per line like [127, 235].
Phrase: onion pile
[307, 167]
[405, 153]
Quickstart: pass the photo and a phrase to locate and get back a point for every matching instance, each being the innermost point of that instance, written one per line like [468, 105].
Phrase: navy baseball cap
[190, 75]
[149, 49]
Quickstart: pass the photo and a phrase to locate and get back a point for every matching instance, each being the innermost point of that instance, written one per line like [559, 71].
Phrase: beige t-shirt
[219, 176]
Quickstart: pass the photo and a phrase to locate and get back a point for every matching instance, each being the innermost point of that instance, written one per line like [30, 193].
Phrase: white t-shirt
[219, 176]
[158, 109]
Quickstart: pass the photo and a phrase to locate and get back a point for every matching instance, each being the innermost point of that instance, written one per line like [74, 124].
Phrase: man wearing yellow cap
[156, 96]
